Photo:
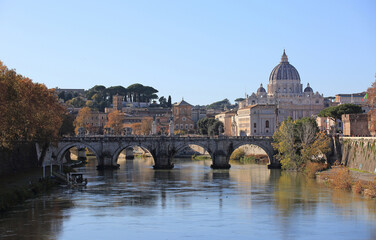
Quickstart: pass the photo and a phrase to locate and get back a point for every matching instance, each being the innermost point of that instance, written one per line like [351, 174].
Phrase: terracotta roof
[182, 103]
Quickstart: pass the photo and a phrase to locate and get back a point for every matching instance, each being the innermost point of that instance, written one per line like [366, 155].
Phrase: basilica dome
[308, 88]
[261, 89]
[284, 71]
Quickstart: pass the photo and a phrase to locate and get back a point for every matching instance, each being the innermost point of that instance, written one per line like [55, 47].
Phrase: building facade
[182, 113]
[226, 118]
[256, 120]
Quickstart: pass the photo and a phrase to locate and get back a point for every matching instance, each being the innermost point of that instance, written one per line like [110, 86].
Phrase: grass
[361, 171]
[201, 157]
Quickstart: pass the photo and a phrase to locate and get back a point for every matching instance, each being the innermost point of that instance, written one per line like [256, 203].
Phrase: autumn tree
[83, 119]
[371, 102]
[136, 128]
[115, 121]
[298, 142]
[146, 126]
[28, 111]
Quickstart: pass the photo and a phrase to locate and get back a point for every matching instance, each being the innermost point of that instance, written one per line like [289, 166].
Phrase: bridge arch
[132, 145]
[184, 145]
[269, 152]
[62, 152]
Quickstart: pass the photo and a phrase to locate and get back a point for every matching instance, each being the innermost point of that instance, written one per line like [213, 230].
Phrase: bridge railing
[153, 137]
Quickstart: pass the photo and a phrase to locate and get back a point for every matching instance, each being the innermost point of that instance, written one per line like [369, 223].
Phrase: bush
[342, 179]
[237, 154]
[312, 168]
[358, 187]
[370, 189]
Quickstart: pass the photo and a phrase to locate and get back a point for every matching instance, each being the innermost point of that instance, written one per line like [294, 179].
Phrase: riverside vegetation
[302, 147]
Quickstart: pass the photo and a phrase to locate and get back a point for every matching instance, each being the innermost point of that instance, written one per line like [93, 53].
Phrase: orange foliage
[371, 102]
[28, 111]
[342, 179]
[115, 121]
[136, 128]
[312, 168]
[146, 126]
[82, 119]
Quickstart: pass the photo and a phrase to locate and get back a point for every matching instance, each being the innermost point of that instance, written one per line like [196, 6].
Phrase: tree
[284, 143]
[299, 142]
[169, 104]
[61, 95]
[239, 99]
[371, 102]
[28, 111]
[209, 126]
[67, 128]
[163, 101]
[82, 119]
[76, 102]
[216, 128]
[136, 128]
[146, 126]
[115, 121]
[335, 112]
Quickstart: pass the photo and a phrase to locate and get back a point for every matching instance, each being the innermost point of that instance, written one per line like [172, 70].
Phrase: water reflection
[192, 201]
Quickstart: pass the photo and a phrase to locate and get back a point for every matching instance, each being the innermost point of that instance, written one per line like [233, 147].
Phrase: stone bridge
[162, 148]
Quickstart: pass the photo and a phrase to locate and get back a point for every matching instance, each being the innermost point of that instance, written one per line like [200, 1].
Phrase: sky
[203, 51]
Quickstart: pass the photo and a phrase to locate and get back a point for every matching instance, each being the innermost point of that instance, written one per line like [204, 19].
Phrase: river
[192, 201]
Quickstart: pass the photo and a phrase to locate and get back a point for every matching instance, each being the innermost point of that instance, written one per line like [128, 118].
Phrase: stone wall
[22, 157]
[359, 153]
[355, 124]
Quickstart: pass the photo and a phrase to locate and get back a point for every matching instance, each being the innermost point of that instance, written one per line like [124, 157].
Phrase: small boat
[76, 179]
[72, 180]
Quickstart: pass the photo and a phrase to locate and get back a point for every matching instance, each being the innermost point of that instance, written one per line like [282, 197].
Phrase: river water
[192, 201]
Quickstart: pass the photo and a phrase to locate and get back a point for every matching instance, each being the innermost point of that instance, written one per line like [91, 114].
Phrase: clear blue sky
[204, 51]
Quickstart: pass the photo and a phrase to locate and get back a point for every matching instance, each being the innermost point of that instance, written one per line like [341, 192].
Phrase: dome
[284, 70]
[308, 88]
[261, 89]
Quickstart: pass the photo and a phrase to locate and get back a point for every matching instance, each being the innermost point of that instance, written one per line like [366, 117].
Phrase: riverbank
[16, 188]
[340, 177]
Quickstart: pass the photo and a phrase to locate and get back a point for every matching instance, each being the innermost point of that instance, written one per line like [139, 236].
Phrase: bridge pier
[129, 153]
[220, 160]
[106, 162]
[81, 154]
[163, 161]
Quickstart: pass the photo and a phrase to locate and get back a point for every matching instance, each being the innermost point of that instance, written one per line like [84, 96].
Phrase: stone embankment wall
[359, 153]
[21, 157]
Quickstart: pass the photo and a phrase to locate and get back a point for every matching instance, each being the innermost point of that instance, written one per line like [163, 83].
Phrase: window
[184, 119]
[191, 126]
[181, 126]
[177, 126]
[254, 125]
[254, 131]
[267, 123]
[267, 131]
[186, 126]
